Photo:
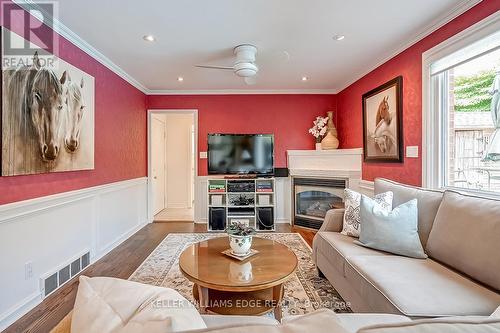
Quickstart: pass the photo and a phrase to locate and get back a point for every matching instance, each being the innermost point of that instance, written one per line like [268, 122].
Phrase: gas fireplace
[313, 197]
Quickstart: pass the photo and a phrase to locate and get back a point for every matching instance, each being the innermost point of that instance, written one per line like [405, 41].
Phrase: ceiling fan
[244, 65]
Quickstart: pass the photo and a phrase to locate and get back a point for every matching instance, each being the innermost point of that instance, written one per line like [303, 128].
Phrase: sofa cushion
[418, 288]
[322, 320]
[428, 202]
[221, 320]
[466, 236]
[113, 305]
[451, 325]
[392, 231]
[352, 322]
[337, 247]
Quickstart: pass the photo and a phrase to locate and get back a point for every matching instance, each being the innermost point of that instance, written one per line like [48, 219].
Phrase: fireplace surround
[318, 182]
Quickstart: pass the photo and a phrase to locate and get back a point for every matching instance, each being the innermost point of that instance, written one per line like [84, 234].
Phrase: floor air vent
[64, 274]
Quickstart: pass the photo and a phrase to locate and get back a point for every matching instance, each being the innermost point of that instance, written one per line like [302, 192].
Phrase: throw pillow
[393, 231]
[352, 200]
[113, 305]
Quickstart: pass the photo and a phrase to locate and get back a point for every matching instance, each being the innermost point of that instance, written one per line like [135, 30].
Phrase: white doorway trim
[151, 112]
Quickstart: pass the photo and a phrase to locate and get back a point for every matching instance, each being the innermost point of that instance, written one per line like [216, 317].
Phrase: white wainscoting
[283, 198]
[50, 231]
[366, 187]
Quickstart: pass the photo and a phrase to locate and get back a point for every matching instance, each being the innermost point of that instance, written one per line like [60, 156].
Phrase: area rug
[304, 292]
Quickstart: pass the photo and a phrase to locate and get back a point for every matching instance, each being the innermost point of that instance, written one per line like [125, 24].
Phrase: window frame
[434, 161]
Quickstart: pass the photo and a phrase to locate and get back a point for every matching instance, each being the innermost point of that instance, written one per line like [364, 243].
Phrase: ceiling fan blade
[251, 80]
[214, 67]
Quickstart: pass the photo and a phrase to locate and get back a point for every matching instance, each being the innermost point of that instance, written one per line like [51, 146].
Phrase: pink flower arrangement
[319, 129]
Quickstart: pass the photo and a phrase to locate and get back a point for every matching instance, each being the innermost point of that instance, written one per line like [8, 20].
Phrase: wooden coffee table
[224, 285]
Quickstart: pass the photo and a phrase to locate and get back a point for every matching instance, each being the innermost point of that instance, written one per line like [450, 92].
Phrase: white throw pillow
[113, 305]
[352, 221]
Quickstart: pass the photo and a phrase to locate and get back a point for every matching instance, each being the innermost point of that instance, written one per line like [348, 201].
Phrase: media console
[247, 201]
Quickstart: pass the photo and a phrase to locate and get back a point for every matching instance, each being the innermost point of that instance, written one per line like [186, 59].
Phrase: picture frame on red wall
[383, 122]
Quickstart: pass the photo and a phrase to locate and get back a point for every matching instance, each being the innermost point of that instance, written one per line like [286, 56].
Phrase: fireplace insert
[313, 197]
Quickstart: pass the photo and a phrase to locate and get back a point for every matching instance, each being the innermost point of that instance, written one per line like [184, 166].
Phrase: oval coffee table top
[204, 264]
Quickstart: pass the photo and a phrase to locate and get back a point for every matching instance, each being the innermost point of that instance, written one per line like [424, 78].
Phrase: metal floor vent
[64, 274]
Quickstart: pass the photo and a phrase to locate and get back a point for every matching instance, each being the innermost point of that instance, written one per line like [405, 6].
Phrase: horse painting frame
[383, 122]
[47, 114]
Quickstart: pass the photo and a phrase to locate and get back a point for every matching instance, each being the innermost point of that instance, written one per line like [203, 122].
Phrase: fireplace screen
[314, 197]
[314, 203]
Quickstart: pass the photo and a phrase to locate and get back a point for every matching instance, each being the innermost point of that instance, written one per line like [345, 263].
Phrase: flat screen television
[241, 154]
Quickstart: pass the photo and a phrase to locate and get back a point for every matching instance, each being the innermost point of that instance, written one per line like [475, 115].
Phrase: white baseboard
[50, 230]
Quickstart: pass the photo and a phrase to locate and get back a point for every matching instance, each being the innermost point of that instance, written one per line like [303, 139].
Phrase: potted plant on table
[240, 238]
[319, 130]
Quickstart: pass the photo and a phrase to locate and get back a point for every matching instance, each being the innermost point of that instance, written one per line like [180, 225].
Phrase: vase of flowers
[240, 238]
[319, 130]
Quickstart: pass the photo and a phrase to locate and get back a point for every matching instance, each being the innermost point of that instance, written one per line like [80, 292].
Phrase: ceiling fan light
[245, 69]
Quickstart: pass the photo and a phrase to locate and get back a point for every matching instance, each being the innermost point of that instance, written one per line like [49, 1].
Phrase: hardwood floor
[120, 263]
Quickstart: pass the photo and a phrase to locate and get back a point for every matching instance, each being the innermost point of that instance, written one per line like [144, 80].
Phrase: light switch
[412, 151]
[203, 154]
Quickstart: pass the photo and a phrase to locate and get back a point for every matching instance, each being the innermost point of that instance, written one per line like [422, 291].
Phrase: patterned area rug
[303, 293]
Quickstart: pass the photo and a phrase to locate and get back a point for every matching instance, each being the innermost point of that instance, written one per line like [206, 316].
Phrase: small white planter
[240, 244]
[318, 146]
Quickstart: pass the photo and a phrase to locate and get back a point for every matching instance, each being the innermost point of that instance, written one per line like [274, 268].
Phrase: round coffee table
[224, 285]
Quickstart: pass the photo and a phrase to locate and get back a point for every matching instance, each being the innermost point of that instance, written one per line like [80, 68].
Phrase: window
[462, 111]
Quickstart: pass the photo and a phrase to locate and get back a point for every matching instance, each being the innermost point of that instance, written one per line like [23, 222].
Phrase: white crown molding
[245, 92]
[458, 10]
[71, 36]
[67, 33]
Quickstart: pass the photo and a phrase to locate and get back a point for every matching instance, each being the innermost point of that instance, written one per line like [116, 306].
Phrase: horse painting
[32, 118]
[382, 122]
[382, 135]
[47, 124]
[75, 106]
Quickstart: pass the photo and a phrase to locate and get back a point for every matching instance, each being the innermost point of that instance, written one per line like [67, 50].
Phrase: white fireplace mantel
[338, 163]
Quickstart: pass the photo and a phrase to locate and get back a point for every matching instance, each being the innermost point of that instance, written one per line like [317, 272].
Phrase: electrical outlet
[203, 154]
[28, 270]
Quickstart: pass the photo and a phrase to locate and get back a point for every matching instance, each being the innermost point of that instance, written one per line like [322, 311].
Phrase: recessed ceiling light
[305, 78]
[149, 38]
[180, 79]
[338, 37]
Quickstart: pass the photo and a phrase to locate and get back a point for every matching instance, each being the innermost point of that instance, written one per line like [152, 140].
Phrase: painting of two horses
[382, 122]
[47, 118]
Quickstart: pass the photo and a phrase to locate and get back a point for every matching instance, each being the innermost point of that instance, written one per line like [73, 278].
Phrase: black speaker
[280, 172]
[217, 218]
[265, 218]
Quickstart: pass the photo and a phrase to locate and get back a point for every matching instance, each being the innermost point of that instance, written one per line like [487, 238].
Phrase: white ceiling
[190, 32]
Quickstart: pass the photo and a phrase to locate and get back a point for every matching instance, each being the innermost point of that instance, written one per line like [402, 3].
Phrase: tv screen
[241, 154]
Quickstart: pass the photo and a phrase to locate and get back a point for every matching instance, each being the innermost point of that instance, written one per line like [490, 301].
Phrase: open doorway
[172, 166]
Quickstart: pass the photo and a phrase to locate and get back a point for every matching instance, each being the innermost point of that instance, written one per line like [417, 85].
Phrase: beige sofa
[461, 277]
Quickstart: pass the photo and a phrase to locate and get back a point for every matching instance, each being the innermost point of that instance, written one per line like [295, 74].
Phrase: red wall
[120, 136]
[288, 117]
[409, 65]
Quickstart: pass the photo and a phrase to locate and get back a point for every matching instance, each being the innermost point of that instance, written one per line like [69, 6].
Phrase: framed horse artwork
[47, 114]
[383, 122]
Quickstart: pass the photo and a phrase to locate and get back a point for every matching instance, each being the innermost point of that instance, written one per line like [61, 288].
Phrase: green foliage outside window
[472, 92]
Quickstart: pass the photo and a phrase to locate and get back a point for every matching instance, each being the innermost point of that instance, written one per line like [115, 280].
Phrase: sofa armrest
[334, 220]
